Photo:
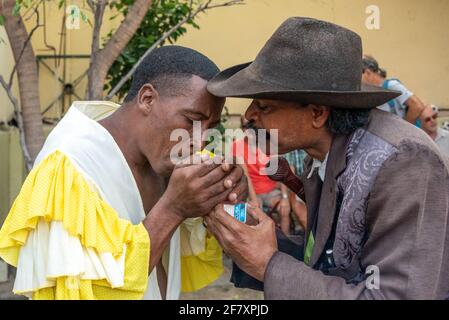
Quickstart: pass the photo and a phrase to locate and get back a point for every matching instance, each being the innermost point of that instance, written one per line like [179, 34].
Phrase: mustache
[259, 134]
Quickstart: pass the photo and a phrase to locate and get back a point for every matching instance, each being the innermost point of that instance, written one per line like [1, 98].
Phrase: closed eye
[263, 108]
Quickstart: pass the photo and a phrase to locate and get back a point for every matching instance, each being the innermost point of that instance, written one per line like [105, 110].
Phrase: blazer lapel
[312, 191]
[336, 164]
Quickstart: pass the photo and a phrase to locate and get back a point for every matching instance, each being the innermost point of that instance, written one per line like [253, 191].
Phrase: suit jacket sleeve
[407, 238]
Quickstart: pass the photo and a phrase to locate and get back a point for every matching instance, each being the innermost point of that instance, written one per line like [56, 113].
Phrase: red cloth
[261, 183]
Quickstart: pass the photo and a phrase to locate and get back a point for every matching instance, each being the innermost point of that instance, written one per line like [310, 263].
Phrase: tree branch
[30, 34]
[106, 56]
[227, 4]
[91, 5]
[202, 8]
[98, 21]
[19, 119]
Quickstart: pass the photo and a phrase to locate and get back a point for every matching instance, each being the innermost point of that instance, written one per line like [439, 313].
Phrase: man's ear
[320, 114]
[147, 97]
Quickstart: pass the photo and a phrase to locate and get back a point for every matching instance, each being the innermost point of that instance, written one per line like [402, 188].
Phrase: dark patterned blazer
[384, 205]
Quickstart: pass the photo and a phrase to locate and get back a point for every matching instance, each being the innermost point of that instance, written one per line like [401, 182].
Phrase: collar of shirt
[321, 165]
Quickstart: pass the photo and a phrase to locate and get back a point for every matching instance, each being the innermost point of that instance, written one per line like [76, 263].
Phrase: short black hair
[168, 68]
[343, 120]
[370, 63]
[346, 121]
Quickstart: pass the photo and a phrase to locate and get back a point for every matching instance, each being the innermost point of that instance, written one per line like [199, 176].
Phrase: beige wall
[11, 170]
[6, 65]
[78, 42]
[412, 43]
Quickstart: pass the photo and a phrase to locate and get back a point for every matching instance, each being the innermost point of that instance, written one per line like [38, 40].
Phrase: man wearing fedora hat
[376, 187]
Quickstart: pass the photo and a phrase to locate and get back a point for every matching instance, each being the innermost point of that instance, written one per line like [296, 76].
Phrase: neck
[321, 148]
[433, 134]
[117, 125]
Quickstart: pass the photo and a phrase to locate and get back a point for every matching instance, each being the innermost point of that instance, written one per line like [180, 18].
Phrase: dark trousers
[292, 245]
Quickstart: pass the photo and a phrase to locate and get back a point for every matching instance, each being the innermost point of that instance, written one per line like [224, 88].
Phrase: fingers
[257, 213]
[226, 167]
[205, 168]
[240, 191]
[254, 203]
[284, 209]
[217, 188]
[235, 175]
[219, 231]
[237, 180]
[211, 226]
[230, 223]
[215, 176]
[200, 165]
[218, 182]
[193, 159]
[220, 198]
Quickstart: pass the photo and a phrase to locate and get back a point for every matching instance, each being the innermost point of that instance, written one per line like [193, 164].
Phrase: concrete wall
[78, 42]
[11, 169]
[412, 43]
[6, 66]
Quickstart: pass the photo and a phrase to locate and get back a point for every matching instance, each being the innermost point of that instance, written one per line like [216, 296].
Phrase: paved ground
[221, 289]
[6, 291]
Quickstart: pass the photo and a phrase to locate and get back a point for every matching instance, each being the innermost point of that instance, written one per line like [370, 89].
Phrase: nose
[251, 113]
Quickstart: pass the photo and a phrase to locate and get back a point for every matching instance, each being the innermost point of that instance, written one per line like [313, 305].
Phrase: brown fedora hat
[305, 60]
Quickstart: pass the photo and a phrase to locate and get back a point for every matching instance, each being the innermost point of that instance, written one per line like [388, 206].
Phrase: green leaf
[60, 4]
[161, 17]
[16, 10]
[85, 18]
[2, 20]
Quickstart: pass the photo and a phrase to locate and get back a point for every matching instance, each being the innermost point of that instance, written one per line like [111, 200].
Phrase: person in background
[445, 125]
[429, 119]
[407, 106]
[296, 161]
[263, 192]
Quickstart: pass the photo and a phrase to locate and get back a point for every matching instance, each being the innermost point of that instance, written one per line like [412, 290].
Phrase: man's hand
[240, 189]
[251, 247]
[299, 210]
[195, 189]
[284, 208]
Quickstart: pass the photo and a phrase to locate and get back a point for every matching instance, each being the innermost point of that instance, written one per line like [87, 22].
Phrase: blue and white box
[238, 211]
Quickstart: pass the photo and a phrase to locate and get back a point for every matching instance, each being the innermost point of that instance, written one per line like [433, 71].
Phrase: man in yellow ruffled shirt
[106, 213]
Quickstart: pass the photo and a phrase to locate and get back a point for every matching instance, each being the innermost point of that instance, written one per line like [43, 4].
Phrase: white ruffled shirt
[50, 251]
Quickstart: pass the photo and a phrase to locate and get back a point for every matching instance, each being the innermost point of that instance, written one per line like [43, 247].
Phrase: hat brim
[238, 82]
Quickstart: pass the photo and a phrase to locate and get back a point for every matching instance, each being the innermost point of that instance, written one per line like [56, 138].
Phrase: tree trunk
[103, 59]
[27, 77]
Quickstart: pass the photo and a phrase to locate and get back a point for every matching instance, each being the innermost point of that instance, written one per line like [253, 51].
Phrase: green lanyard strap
[309, 248]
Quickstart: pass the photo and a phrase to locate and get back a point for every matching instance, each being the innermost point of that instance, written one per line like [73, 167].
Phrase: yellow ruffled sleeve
[55, 192]
[201, 256]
